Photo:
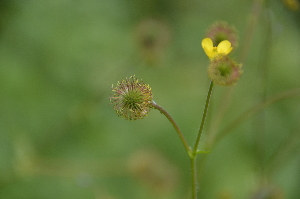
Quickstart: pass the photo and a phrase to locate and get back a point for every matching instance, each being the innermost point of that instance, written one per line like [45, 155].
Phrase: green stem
[194, 177]
[194, 154]
[203, 117]
[250, 28]
[183, 140]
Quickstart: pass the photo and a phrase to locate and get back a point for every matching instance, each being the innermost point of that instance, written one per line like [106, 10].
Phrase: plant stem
[203, 117]
[183, 140]
[250, 28]
[192, 153]
[194, 177]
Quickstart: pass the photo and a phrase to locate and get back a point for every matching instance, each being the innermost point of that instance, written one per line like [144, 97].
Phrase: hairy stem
[194, 177]
[168, 116]
[203, 116]
[194, 154]
[251, 26]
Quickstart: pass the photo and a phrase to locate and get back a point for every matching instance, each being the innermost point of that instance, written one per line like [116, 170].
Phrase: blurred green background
[59, 138]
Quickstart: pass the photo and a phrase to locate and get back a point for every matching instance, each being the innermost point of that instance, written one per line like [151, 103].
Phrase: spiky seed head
[132, 98]
[224, 71]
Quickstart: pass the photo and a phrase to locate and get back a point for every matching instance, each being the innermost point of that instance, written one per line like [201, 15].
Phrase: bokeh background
[59, 138]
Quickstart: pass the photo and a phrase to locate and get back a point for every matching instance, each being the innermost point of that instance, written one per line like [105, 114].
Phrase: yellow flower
[224, 47]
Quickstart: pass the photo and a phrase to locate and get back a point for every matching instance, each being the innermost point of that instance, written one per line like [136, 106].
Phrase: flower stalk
[177, 129]
[194, 177]
[195, 151]
[203, 117]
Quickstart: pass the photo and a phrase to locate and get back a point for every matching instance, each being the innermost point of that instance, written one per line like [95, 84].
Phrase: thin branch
[203, 116]
[183, 140]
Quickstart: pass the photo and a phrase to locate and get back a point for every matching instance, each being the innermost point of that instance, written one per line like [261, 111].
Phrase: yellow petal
[224, 47]
[207, 46]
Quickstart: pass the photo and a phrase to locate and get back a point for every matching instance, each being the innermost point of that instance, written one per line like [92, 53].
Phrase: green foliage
[60, 139]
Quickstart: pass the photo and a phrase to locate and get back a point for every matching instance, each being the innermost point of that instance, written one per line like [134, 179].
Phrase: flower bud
[224, 71]
[132, 99]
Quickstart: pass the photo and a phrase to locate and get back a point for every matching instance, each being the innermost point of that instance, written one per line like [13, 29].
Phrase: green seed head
[224, 71]
[132, 99]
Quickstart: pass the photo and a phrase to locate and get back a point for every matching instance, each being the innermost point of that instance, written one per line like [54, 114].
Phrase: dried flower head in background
[268, 192]
[153, 36]
[220, 31]
[132, 98]
[153, 170]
